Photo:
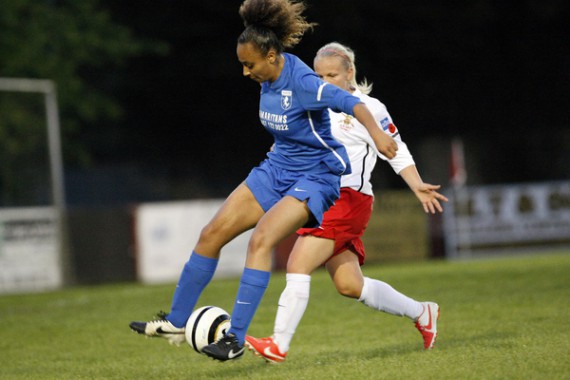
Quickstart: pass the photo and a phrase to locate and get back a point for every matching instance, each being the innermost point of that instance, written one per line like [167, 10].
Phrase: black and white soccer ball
[205, 326]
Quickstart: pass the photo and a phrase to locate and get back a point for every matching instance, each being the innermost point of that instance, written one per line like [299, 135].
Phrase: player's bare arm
[425, 192]
[385, 144]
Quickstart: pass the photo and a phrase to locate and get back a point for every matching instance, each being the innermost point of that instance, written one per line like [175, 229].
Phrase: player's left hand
[430, 198]
[386, 144]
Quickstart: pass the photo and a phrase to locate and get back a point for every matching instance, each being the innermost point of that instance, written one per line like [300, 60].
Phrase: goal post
[47, 88]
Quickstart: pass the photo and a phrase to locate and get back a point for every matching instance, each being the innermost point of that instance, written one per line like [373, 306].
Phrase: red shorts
[345, 222]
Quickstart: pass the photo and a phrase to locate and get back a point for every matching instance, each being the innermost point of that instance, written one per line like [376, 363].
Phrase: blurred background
[153, 105]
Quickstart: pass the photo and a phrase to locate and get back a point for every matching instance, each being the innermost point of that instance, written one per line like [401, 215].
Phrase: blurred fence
[501, 219]
[29, 250]
[150, 242]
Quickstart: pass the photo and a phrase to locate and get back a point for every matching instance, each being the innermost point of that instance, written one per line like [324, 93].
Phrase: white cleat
[160, 328]
[427, 323]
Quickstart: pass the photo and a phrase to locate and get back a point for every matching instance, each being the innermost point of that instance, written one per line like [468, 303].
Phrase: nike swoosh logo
[243, 303]
[267, 352]
[232, 355]
[428, 327]
[161, 331]
[297, 189]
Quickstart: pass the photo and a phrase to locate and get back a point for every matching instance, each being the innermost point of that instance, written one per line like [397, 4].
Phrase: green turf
[501, 319]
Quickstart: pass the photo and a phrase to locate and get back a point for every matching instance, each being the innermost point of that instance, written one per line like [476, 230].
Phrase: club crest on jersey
[346, 123]
[286, 99]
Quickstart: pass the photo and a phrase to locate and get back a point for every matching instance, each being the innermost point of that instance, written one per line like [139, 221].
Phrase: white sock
[381, 296]
[292, 305]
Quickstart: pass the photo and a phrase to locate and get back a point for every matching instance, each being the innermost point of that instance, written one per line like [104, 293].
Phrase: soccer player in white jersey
[337, 242]
[292, 188]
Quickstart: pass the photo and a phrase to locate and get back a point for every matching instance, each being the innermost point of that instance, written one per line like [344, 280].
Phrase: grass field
[501, 319]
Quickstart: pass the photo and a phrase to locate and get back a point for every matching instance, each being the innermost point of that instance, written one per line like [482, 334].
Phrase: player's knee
[208, 232]
[259, 243]
[348, 289]
[213, 236]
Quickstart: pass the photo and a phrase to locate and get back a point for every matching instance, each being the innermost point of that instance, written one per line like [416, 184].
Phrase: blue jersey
[294, 109]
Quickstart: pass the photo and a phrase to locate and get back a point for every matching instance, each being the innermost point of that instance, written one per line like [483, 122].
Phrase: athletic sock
[197, 273]
[251, 289]
[290, 310]
[381, 296]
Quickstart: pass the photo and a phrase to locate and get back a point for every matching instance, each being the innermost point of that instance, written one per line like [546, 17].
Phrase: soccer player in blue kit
[292, 188]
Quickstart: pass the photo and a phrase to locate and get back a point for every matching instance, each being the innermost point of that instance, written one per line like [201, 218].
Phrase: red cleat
[265, 348]
[427, 323]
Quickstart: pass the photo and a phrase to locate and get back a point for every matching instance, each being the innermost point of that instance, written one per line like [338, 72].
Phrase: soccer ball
[205, 326]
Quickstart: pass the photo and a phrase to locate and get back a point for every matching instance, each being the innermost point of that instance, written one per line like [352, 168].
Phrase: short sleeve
[316, 94]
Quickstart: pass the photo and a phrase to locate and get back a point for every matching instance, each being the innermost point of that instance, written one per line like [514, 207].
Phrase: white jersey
[362, 152]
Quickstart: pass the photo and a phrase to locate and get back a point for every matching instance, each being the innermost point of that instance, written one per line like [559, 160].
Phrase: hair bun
[282, 17]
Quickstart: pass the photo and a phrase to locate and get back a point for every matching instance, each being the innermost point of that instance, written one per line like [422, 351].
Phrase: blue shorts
[269, 184]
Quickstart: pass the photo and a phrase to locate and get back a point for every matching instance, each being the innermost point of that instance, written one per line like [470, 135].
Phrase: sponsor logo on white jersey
[387, 126]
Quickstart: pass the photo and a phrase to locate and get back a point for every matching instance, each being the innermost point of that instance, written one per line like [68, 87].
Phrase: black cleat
[227, 348]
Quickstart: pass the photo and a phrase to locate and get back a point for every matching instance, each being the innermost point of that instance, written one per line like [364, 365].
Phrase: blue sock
[251, 288]
[197, 273]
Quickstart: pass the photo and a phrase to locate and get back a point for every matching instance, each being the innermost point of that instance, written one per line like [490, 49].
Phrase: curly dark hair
[273, 24]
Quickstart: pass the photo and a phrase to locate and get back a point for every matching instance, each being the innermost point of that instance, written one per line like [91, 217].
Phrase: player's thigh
[239, 213]
[346, 274]
[284, 218]
[309, 253]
